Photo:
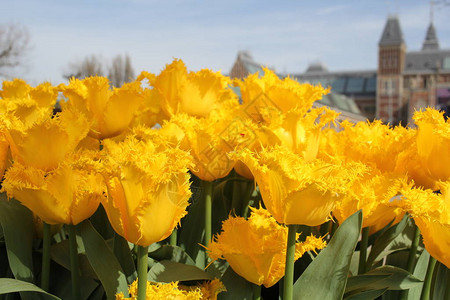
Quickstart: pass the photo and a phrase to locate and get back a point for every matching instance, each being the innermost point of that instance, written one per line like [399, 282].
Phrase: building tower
[390, 106]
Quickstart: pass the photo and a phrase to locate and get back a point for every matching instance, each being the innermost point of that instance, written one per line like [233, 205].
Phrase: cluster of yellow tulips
[143, 151]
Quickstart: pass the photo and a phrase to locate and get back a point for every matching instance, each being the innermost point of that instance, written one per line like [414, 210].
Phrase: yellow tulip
[68, 194]
[174, 291]
[209, 140]
[433, 143]
[150, 112]
[110, 111]
[375, 144]
[431, 213]
[148, 188]
[256, 248]
[373, 193]
[4, 151]
[193, 93]
[302, 133]
[26, 104]
[46, 142]
[295, 191]
[265, 98]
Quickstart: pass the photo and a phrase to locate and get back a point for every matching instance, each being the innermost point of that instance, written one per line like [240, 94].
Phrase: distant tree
[90, 66]
[121, 70]
[14, 43]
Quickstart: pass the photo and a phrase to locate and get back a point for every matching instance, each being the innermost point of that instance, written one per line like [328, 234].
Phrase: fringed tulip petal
[256, 248]
[109, 111]
[431, 213]
[69, 194]
[295, 191]
[148, 187]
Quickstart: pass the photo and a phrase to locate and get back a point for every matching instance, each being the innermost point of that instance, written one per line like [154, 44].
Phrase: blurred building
[402, 83]
[408, 81]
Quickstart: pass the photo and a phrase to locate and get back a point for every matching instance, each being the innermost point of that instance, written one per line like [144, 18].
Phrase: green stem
[334, 226]
[74, 267]
[413, 250]
[428, 278]
[142, 258]
[256, 292]
[45, 276]
[412, 256]
[362, 268]
[208, 188]
[288, 291]
[248, 195]
[236, 197]
[173, 237]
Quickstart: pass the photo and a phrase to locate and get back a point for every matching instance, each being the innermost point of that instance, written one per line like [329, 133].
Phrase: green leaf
[398, 279]
[381, 243]
[441, 281]
[172, 253]
[168, 271]
[192, 230]
[330, 268]
[8, 285]
[362, 281]
[366, 295]
[60, 254]
[18, 229]
[17, 224]
[419, 272]
[103, 261]
[237, 287]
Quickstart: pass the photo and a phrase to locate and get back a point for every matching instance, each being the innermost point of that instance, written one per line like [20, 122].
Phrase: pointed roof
[431, 42]
[392, 33]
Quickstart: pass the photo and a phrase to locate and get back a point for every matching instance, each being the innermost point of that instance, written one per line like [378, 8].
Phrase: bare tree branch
[89, 66]
[14, 43]
[121, 70]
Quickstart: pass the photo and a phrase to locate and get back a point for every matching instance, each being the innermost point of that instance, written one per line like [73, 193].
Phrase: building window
[389, 87]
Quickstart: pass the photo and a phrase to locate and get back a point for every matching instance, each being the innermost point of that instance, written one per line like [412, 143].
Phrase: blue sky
[284, 35]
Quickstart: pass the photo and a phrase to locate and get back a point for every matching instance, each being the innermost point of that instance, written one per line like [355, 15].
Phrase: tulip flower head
[431, 213]
[148, 188]
[173, 290]
[110, 111]
[374, 193]
[295, 191]
[209, 140]
[433, 143]
[256, 248]
[48, 141]
[4, 151]
[266, 97]
[194, 93]
[68, 194]
[22, 102]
